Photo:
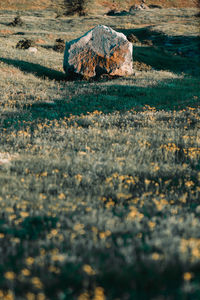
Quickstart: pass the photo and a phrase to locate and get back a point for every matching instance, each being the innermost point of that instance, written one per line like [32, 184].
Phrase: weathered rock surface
[100, 51]
[138, 7]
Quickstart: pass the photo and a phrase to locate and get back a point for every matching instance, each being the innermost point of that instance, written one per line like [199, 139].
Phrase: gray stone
[32, 49]
[100, 51]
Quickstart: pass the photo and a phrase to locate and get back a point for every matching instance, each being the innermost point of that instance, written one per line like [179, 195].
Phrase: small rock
[59, 45]
[32, 49]
[6, 158]
[100, 51]
[135, 7]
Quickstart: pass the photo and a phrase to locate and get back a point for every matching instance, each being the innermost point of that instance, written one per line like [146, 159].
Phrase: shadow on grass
[160, 38]
[171, 94]
[174, 53]
[161, 60]
[167, 95]
[35, 69]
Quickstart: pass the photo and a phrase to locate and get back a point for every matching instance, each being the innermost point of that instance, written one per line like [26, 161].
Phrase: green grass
[99, 180]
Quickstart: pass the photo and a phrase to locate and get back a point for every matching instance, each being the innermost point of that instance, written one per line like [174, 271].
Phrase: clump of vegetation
[132, 38]
[71, 7]
[148, 42]
[59, 45]
[76, 7]
[17, 21]
[140, 66]
[25, 44]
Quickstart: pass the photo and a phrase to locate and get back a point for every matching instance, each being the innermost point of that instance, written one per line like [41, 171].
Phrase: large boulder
[101, 50]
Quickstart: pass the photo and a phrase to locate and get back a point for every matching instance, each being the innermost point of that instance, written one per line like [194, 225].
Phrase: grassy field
[100, 180]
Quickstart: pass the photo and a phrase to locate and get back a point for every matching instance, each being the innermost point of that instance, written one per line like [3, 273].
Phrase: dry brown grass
[24, 4]
[105, 4]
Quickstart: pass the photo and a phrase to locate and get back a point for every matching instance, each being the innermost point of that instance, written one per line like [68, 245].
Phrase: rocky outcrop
[100, 51]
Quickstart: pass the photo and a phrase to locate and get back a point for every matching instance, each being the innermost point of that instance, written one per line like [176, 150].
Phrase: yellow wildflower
[36, 282]
[26, 272]
[89, 270]
[155, 256]
[189, 183]
[29, 260]
[30, 296]
[78, 227]
[61, 196]
[151, 224]
[99, 294]
[187, 276]
[84, 296]
[41, 296]
[24, 214]
[78, 177]
[9, 275]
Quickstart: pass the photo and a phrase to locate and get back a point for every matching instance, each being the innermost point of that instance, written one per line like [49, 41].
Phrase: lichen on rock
[101, 50]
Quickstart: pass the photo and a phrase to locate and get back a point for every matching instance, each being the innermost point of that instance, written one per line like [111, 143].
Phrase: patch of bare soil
[6, 32]
[40, 42]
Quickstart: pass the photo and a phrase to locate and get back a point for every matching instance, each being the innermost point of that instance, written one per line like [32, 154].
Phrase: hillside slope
[42, 4]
